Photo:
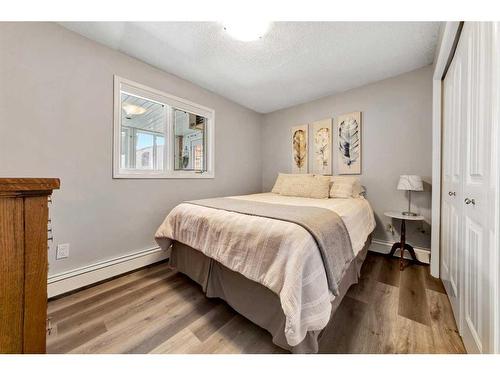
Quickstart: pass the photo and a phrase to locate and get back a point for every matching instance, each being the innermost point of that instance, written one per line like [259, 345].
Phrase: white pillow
[345, 187]
[281, 178]
[307, 187]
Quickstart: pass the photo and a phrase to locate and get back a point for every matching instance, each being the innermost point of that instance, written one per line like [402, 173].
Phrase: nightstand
[402, 242]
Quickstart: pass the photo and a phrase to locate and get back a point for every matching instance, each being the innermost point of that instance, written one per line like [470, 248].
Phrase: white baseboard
[384, 247]
[70, 280]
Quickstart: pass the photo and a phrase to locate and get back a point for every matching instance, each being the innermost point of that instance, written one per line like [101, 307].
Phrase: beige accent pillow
[282, 177]
[307, 187]
[345, 187]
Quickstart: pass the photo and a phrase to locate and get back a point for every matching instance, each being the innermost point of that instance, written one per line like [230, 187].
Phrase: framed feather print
[299, 149]
[348, 147]
[322, 146]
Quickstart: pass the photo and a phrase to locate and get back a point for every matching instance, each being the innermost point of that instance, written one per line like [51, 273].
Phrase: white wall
[397, 139]
[56, 120]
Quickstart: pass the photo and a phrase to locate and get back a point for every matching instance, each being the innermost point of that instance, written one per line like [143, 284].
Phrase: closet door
[452, 181]
[468, 200]
[477, 209]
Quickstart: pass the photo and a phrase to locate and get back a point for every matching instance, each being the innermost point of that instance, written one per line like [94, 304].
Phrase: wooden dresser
[23, 263]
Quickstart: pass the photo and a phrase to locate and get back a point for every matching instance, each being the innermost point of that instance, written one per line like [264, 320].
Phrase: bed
[283, 262]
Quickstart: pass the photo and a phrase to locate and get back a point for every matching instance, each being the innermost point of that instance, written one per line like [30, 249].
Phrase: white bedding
[280, 255]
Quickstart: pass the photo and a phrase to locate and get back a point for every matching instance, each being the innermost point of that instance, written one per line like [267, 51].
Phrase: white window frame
[169, 101]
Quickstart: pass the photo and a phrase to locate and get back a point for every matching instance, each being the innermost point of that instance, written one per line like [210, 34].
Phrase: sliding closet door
[477, 212]
[468, 222]
[451, 239]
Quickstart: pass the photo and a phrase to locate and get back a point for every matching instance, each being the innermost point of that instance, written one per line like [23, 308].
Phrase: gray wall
[397, 139]
[56, 120]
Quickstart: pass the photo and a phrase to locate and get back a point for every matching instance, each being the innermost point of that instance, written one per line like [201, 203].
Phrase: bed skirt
[252, 300]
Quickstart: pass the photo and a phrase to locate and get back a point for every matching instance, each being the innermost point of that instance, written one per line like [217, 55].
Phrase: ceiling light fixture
[247, 30]
[132, 109]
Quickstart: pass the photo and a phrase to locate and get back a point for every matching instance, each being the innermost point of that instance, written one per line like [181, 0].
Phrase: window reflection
[142, 133]
[189, 136]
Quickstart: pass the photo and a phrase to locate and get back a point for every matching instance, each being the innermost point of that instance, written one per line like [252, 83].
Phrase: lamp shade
[410, 182]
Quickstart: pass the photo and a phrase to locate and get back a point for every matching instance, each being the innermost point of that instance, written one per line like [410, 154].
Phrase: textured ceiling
[294, 62]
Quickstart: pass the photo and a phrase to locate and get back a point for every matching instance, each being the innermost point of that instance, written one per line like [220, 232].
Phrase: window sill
[163, 175]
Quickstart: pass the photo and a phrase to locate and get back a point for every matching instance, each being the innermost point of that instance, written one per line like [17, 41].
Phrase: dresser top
[29, 184]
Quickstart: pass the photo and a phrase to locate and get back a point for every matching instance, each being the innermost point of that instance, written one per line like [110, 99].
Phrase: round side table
[402, 242]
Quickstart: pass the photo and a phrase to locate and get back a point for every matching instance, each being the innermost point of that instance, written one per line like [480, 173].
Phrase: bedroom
[195, 173]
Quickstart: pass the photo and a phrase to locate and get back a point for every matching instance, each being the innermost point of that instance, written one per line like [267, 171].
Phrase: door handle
[452, 193]
[469, 201]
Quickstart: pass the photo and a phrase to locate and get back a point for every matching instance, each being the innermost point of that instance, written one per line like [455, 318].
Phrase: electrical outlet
[390, 228]
[62, 251]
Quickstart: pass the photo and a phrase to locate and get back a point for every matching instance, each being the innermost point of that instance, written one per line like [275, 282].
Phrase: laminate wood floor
[157, 310]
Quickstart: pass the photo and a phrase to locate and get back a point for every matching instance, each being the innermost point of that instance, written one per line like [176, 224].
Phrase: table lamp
[410, 183]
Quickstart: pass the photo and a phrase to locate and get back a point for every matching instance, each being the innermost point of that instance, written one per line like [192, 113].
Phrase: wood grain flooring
[157, 310]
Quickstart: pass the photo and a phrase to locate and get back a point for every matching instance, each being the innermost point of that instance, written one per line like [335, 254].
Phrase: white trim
[137, 89]
[495, 246]
[443, 54]
[384, 247]
[77, 278]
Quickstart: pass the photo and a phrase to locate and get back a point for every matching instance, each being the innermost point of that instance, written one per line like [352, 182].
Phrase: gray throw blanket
[325, 226]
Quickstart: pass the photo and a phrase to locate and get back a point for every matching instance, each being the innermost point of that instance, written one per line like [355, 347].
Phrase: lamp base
[408, 213]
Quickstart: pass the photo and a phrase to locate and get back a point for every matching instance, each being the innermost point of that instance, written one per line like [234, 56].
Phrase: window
[158, 135]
